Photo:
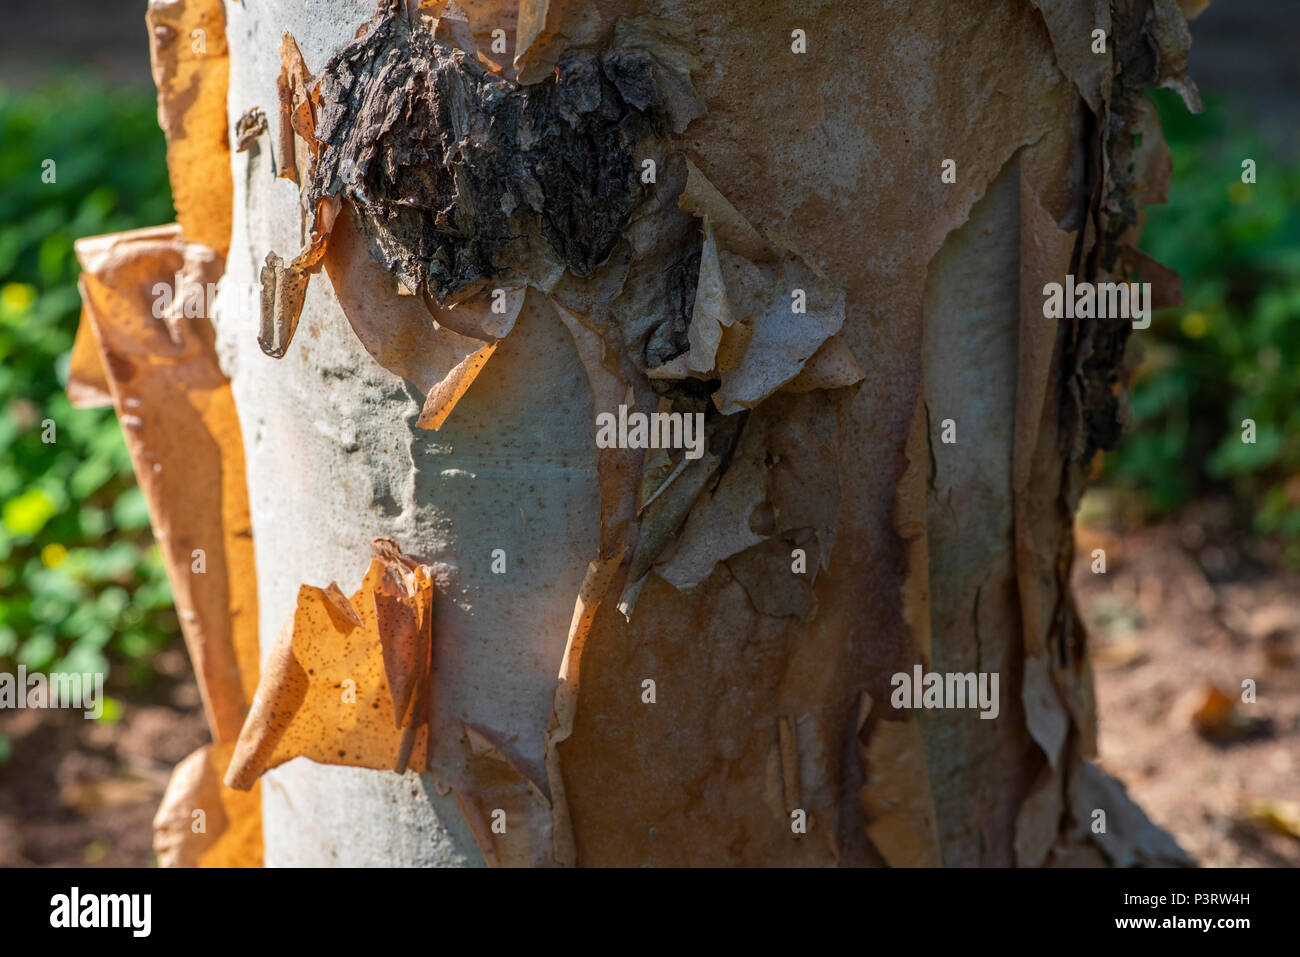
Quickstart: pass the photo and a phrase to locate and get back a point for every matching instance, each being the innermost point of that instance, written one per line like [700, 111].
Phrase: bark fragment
[297, 102]
[348, 681]
[202, 823]
[176, 407]
[457, 175]
[1071, 24]
[896, 796]
[1151, 46]
[443, 397]
[87, 381]
[1129, 838]
[509, 814]
[181, 427]
[599, 577]
[191, 68]
[248, 128]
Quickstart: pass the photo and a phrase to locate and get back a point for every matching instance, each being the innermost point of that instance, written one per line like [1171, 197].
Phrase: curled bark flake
[284, 289]
[183, 434]
[248, 128]
[349, 679]
[284, 286]
[294, 89]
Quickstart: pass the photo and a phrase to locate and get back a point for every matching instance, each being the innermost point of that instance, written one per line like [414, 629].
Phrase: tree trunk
[891, 470]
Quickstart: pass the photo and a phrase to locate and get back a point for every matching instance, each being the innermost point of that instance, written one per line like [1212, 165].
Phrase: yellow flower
[26, 514]
[53, 555]
[17, 297]
[1239, 194]
[1194, 325]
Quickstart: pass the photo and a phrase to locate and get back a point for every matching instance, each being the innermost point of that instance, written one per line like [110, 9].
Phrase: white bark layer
[335, 460]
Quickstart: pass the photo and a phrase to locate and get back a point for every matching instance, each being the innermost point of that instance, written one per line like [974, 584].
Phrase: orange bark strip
[201, 822]
[443, 397]
[178, 415]
[181, 427]
[87, 382]
[600, 575]
[191, 67]
[342, 670]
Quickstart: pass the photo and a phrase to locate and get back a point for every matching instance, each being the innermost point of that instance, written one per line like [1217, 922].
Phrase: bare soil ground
[1184, 607]
[1179, 608]
[80, 792]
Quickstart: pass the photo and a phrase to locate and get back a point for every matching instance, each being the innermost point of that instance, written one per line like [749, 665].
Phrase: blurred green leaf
[1232, 352]
[112, 711]
[80, 580]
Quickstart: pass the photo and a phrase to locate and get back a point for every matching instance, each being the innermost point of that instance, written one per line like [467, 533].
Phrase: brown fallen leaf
[1281, 817]
[1277, 650]
[1218, 718]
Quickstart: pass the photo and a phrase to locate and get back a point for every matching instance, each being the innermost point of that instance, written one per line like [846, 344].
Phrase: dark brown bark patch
[460, 176]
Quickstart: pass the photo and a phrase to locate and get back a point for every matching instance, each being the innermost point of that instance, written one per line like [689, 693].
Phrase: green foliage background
[1232, 352]
[81, 582]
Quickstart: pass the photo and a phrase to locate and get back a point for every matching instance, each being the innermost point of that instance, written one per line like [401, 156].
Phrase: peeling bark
[494, 272]
[437, 155]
